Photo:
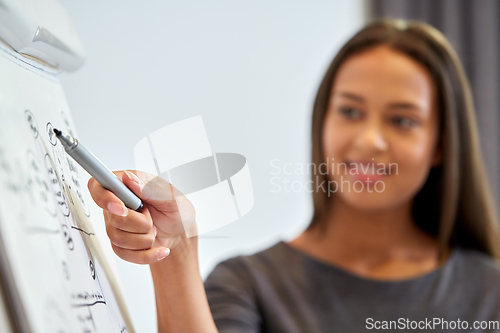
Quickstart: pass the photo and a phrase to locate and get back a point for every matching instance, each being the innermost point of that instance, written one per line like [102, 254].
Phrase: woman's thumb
[155, 191]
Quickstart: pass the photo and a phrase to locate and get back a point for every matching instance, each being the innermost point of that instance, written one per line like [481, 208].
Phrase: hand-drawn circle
[57, 190]
[38, 182]
[52, 135]
[92, 269]
[77, 186]
[32, 124]
[67, 237]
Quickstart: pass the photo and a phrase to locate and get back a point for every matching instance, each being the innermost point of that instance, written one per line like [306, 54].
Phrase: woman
[417, 249]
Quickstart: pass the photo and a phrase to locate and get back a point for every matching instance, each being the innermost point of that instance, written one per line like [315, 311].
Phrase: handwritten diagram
[58, 285]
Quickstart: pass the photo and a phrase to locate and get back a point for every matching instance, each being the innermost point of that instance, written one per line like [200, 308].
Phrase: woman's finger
[142, 257]
[129, 240]
[106, 199]
[140, 223]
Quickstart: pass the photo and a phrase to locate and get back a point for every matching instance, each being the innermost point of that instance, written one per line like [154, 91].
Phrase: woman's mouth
[367, 171]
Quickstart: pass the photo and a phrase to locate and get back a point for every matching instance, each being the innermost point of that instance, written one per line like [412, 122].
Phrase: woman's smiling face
[382, 113]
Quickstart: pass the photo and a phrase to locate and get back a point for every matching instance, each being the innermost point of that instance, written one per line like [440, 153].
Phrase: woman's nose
[371, 138]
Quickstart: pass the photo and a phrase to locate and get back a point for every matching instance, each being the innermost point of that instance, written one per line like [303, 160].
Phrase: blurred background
[251, 70]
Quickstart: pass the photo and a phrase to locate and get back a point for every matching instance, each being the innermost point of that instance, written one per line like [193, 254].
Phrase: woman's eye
[404, 122]
[350, 112]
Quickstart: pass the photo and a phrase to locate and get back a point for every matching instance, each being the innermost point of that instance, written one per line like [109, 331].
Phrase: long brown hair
[455, 204]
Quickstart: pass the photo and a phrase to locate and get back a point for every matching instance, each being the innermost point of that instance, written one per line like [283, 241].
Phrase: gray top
[282, 289]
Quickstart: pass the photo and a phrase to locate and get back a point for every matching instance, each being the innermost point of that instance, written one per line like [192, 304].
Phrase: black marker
[96, 169]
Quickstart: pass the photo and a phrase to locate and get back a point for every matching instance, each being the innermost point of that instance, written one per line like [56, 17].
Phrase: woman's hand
[166, 220]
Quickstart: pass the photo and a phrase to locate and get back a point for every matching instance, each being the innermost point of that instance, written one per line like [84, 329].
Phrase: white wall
[250, 68]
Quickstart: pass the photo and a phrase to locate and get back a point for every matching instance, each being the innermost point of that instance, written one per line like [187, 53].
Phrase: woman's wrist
[181, 301]
[184, 255]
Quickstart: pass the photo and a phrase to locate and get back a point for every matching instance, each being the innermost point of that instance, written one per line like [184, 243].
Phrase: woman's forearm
[181, 302]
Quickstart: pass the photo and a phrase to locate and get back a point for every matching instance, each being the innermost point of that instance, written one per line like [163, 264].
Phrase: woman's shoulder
[271, 260]
[478, 267]
[271, 255]
[470, 264]
[479, 259]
